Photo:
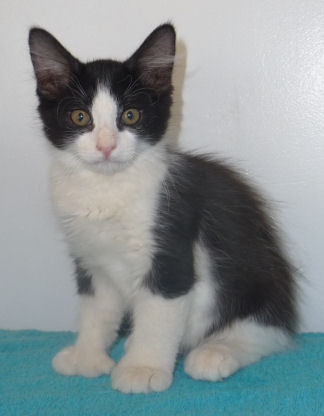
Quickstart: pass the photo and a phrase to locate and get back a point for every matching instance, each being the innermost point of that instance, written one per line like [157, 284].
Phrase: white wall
[253, 92]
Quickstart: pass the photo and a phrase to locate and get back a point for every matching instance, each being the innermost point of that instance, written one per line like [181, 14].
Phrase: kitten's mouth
[108, 165]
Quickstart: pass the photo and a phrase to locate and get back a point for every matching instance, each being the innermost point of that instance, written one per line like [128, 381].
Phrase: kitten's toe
[140, 379]
[74, 361]
[64, 361]
[212, 363]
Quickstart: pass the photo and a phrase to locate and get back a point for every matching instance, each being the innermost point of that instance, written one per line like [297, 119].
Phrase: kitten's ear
[53, 64]
[153, 60]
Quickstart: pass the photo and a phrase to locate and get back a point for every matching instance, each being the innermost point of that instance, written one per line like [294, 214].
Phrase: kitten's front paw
[140, 379]
[75, 361]
[211, 363]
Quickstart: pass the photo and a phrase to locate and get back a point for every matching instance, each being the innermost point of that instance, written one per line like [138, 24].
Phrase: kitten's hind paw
[140, 379]
[75, 361]
[211, 363]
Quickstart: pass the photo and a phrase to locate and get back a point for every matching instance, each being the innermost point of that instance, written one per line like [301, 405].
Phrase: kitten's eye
[80, 118]
[130, 116]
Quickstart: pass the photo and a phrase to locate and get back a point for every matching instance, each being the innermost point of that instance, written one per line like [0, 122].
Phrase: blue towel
[290, 383]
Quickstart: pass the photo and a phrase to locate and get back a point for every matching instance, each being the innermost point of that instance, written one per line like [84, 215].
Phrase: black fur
[83, 279]
[204, 201]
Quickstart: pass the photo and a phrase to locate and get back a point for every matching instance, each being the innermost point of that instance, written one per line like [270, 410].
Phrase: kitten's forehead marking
[104, 109]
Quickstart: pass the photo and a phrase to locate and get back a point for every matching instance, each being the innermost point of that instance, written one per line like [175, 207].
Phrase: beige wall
[253, 92]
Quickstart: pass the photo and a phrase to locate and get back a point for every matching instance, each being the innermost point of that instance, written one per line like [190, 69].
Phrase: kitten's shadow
[178, 77]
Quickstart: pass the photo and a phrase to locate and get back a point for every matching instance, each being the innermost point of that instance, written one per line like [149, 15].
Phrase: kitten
[177, 241]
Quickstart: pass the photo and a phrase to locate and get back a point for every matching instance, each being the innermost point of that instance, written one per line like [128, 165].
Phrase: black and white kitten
[180, 242]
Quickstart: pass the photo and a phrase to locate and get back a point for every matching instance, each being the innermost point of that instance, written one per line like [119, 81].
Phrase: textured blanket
[290, 383]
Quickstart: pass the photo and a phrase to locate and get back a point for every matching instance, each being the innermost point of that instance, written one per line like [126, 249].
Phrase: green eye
[130, 116]
[80, 118]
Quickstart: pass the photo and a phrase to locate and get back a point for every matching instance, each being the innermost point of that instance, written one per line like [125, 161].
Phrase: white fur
[99, 321]
[243, 343]
[108, 219]
[153, 346]
[107, 210]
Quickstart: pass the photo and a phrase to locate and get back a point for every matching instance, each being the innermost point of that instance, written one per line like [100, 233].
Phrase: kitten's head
[104, 113]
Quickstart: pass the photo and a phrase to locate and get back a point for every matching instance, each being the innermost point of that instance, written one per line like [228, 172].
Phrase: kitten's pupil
[80, 116]
[130, 115]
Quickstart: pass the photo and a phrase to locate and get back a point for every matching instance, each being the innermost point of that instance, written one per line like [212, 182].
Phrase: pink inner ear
[154, 58]
[51, 85]
[53, 64]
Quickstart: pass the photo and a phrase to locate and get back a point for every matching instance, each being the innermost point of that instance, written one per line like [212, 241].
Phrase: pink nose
[105, 150]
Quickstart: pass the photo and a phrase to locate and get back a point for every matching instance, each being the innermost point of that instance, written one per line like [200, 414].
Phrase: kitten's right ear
[53, 64]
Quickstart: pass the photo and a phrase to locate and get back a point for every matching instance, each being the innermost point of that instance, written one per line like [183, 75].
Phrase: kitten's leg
[243, 343]
[100, 315]
[153, 345]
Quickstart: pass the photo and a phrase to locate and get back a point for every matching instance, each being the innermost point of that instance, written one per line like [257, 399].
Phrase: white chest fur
[108, 219]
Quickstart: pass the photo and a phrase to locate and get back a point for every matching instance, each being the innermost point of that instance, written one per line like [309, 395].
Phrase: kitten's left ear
[154, 59]
[53, 64]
